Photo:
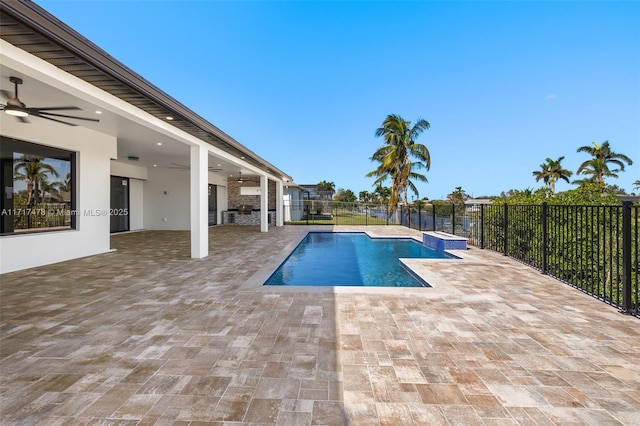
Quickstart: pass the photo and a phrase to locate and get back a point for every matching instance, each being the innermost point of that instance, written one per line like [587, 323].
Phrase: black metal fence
[425, 218]
[593, 248]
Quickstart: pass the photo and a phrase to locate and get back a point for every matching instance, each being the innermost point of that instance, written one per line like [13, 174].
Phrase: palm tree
[598, 166]
[382, 193]
[33, 170]
[636, 184]
[458, 196]
[326, 189]
[364, 197]
[396, 156]
[551, 171]
[49, 189]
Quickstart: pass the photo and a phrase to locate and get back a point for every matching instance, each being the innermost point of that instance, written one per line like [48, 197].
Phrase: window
[38, 187]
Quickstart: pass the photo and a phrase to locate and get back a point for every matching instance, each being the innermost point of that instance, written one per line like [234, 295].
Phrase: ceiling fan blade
[20, 119]
[40, 113]
[53, 119]
[60, 108]
[6, 94]
[178, 166]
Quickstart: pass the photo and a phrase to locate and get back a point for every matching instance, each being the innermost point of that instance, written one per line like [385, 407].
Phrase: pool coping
[420, 267]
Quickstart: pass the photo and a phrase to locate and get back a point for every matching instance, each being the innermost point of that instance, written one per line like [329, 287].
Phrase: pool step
[442, 241]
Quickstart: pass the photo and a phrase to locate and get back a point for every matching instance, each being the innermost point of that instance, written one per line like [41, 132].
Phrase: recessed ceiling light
[159, 143]
[169, 117]
[98, 111]
[155, 165]
[242, 158]
[219, 165]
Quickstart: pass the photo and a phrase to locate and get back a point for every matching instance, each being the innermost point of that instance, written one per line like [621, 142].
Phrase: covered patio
[148, 335]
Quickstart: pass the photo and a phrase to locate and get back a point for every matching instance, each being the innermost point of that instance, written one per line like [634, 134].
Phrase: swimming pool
[352, 259]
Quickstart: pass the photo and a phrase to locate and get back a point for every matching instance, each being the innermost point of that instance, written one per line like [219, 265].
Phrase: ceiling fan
[18, 109]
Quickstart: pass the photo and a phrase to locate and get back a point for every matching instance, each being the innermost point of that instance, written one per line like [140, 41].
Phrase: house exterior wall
[149, 205]
[236, 199]
[94, 151]
[293, 209]
[136, 204]
[221, 193]
[166, 200]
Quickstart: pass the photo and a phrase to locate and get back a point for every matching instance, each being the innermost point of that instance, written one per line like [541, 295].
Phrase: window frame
[8, 147]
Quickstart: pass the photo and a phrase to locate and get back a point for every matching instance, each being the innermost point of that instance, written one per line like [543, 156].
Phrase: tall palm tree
[598, 166]
[32, 169]
[551, 171]
[396, 156]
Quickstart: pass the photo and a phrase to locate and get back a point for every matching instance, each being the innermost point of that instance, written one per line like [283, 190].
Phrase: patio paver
[145, 335]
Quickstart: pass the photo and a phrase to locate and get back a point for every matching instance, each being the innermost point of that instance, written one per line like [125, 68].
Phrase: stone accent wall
[234, 218]
[236, 200]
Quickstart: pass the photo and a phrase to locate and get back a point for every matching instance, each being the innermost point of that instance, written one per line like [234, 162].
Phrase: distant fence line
[593, 248]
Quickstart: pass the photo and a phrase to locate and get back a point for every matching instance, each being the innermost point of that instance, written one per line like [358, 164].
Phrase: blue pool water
[351, 259]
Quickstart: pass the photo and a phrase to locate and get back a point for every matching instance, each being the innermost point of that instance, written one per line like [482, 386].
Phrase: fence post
[433, 215]
[505, 226]
[482, 226]
[419, 219]
[387, 214]
[545, 239]
[307, 211]
[453, 218]
[627, 304]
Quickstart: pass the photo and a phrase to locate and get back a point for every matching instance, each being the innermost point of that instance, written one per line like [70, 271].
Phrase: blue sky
[305, 84]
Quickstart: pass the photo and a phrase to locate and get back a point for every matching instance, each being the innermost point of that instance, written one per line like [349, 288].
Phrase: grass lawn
[341, 217]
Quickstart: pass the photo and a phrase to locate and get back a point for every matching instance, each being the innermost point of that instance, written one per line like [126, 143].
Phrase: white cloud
[551, 96]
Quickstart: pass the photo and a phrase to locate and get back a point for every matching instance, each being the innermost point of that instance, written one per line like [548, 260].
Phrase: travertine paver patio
[146, 335]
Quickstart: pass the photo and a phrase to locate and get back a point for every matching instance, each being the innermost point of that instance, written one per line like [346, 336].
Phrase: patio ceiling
[32, 29]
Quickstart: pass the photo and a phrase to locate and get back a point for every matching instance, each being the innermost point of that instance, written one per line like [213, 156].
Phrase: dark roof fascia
[60, 33]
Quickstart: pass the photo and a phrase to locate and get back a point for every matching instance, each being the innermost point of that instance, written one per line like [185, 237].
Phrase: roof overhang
[32, 29]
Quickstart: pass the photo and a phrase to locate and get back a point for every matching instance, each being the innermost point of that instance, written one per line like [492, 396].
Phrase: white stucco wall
[136, 204]
[292, 199]
[221, 195]
[92, 234]
[223, 201]
[128, 170]
[166, 197]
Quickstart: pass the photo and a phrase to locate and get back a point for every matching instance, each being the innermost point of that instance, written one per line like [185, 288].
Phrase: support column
[264, 204]
[199, 162]
[279, 201]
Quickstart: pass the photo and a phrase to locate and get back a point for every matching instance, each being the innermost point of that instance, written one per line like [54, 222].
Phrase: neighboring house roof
[31, 28]
[317, 191]
[478, 201]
